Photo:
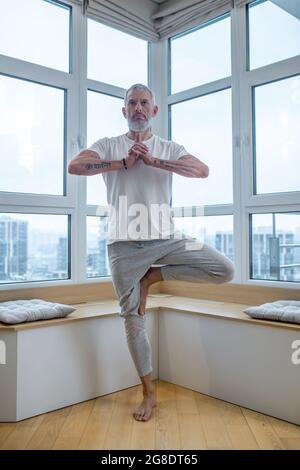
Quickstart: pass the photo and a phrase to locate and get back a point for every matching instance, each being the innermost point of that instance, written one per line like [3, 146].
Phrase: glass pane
[276, 247]
[216, 231]
[104, 119]
[31, 137]
[203, 126]
[36, 31]
[274, 31]
[201, 56]
[122, 60]
[277, 140]
[33, 247]
[97, 257]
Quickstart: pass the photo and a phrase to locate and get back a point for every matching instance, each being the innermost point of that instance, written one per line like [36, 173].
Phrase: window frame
[279, 283]
[257, 203]
[76, 84]
[42, 203]
[245, 202]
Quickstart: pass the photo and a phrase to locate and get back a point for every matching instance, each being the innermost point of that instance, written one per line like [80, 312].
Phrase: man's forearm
[192, 168]
[94, 166]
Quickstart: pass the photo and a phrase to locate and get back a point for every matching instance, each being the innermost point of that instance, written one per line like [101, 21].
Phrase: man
[138, 167]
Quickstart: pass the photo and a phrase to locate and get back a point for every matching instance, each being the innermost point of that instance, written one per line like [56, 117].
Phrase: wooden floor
[182, 419]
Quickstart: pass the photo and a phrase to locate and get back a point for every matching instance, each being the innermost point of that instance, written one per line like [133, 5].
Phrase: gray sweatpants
[185, 259]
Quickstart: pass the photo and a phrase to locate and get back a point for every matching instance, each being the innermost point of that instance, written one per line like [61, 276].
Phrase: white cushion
[18, 311]
[281, 310]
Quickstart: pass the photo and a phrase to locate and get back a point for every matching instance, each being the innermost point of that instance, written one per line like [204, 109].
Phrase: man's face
[139, 110]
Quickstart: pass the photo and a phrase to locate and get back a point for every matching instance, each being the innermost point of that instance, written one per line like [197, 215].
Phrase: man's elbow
[204, 171]
[73, 169]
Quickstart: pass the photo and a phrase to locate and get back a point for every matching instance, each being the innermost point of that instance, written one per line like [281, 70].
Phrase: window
[264, 104]
[37, 124]
[232, 100]
[274, 31]
[31, 137]
[201, 120]
[201, 56]
[104, 119]
[216, 231]
[97, 257]
[271, 112]
[44, 114]
[203, 126]
[277, 141]
[276, 246]
[33, 247]
[112, 69]
[114, 57]
[36, 31]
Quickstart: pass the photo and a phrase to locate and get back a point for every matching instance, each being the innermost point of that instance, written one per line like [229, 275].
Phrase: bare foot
[152, 276]
[143, 412]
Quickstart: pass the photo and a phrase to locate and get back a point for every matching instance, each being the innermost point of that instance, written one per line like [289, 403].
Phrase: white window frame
[245, 203]
[203, 90]
[76, 85]
[261, 203]
[42, 203]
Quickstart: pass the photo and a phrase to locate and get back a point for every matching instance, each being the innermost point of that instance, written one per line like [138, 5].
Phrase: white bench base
[211, 348]
[236, 361]
[56, 366]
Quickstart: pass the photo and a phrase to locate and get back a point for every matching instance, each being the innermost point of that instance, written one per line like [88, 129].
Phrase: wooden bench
[208, 346]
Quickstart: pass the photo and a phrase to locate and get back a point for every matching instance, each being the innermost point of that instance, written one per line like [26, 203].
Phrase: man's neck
[144, 135]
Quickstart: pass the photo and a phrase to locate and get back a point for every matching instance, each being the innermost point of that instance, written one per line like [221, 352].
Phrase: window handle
[245, 141]
[237, 141]
[81, 142]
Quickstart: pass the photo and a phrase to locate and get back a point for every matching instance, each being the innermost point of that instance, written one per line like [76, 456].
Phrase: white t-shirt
[138, 198]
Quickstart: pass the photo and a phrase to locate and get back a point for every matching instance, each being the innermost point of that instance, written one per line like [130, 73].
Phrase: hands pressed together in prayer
[187, 165]
[138, 151]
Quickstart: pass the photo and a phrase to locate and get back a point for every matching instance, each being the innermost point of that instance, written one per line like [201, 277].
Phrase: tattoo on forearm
[176, 166]
[90, 166]
[173, 165]
[158, 161]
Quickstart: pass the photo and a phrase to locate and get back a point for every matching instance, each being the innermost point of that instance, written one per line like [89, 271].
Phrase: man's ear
[155, 111]
[124, 112]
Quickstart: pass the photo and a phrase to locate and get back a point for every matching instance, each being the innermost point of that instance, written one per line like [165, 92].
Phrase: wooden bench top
[103, 308]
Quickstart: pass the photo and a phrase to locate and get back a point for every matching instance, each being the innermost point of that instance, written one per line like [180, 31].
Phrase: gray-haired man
[137, 169]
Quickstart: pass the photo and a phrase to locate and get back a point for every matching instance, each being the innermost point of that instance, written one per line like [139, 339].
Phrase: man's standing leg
[140, 349]
[128, 265]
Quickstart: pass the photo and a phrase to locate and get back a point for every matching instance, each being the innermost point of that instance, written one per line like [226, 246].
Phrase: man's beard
[138, 126]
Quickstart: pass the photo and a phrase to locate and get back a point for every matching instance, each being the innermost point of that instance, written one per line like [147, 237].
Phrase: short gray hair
[139, 86]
